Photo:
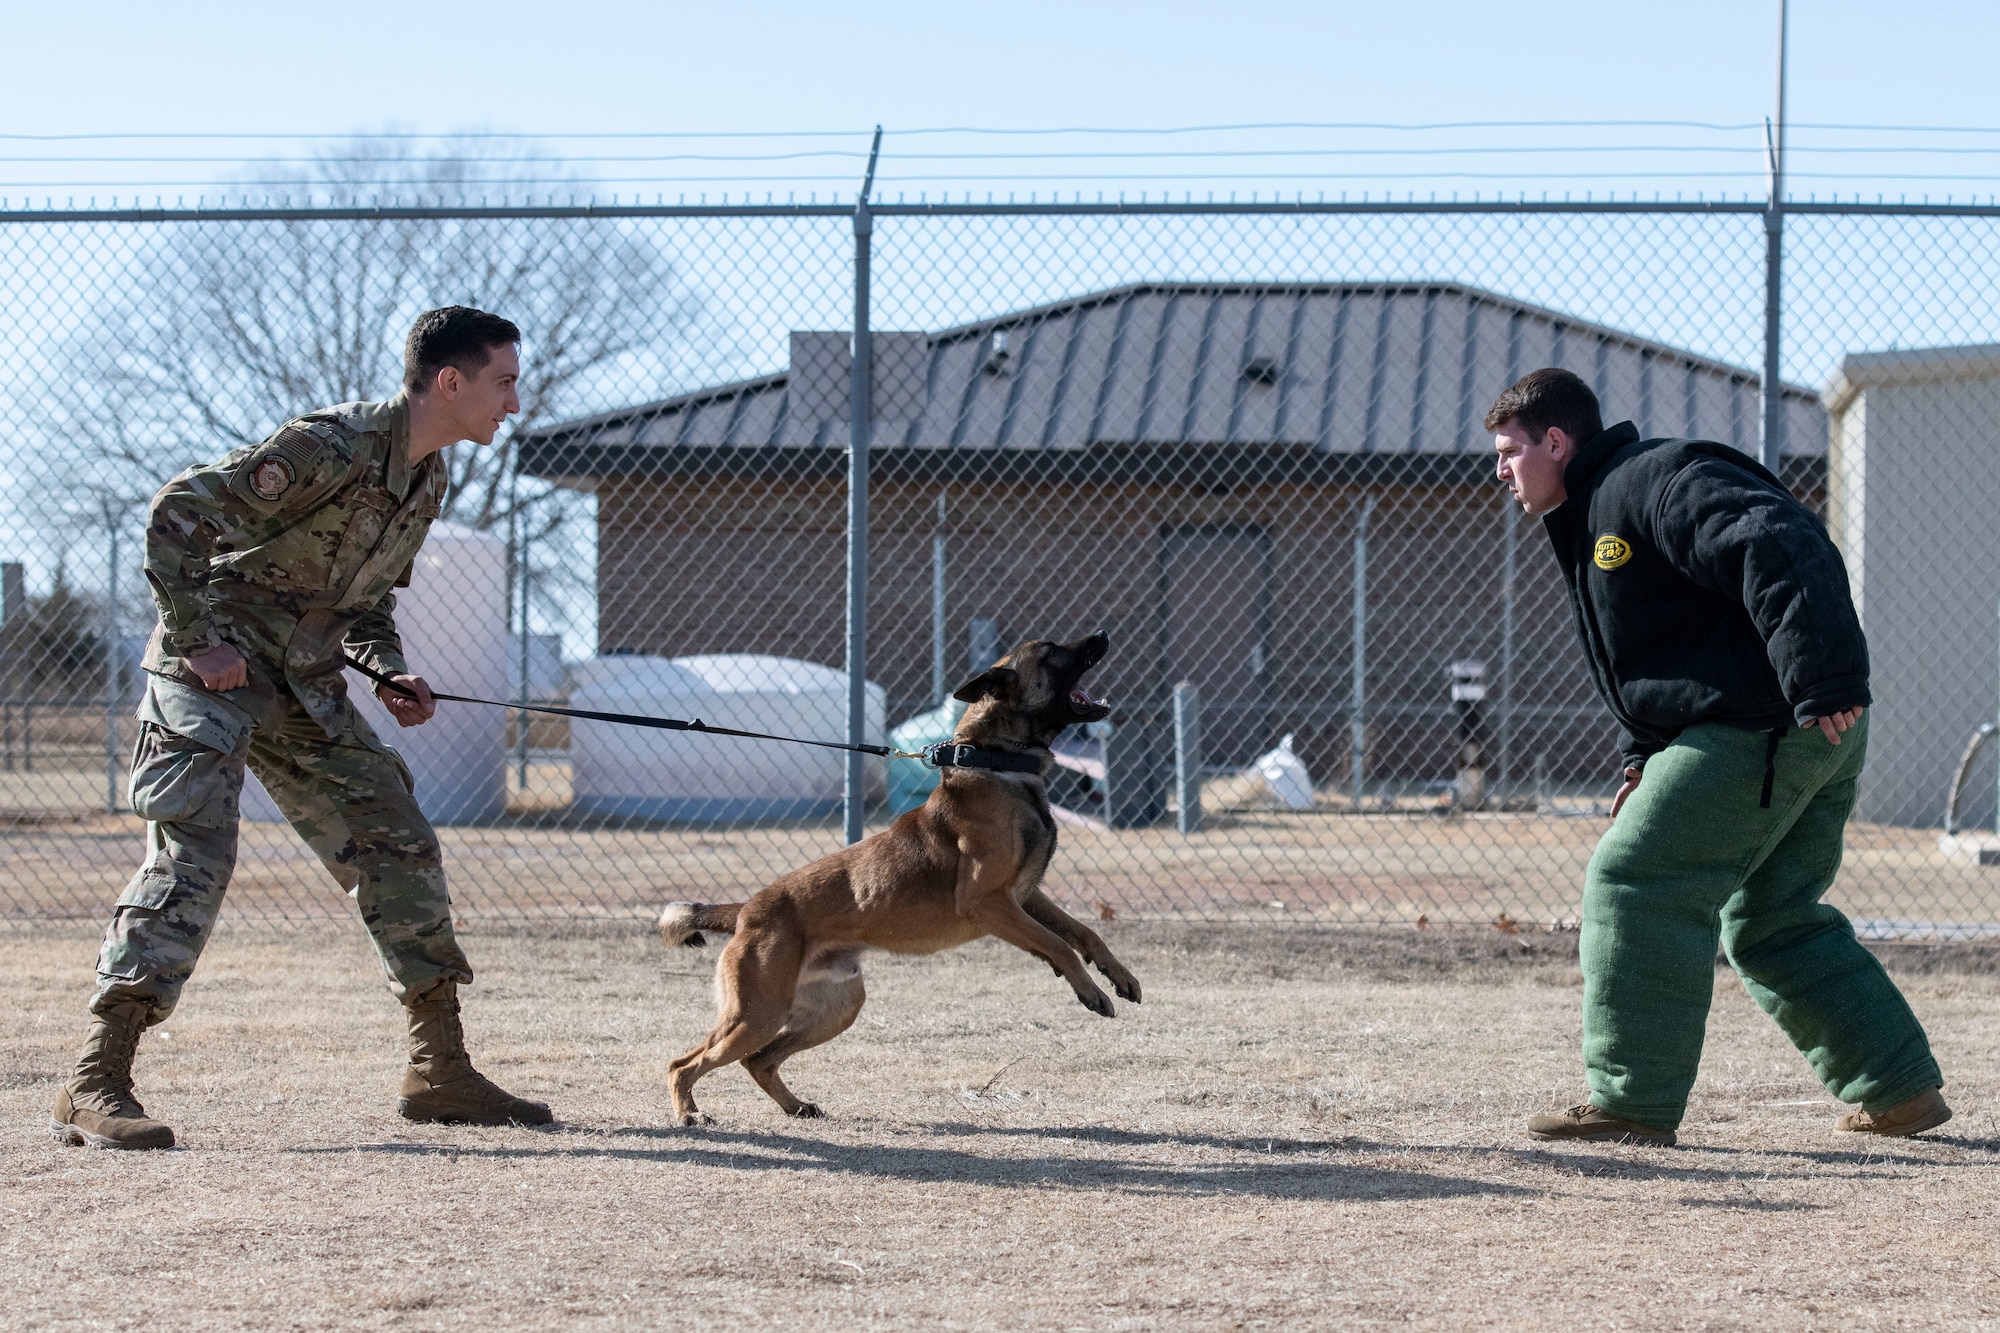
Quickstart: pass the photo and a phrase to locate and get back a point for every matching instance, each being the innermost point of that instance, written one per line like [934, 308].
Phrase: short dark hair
[454, 335]
[1549, 397]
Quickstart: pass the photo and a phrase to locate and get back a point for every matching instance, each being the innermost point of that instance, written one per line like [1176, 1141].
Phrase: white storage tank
[453, 621]
[677, 775]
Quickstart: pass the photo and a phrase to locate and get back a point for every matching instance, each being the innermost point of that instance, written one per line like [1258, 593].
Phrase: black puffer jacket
[1703, 591]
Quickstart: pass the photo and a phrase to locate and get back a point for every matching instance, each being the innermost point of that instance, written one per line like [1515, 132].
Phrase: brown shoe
[441, 1085]
[1588, 1123]
[1924, 1111]
[96, 1107]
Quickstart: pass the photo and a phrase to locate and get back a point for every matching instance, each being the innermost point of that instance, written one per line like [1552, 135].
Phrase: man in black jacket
[1715, 614]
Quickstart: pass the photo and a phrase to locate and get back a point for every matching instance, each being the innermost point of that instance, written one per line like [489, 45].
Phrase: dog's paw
[1097, 1002]
[1121, 981]
[807, 1111]
[696, 1118]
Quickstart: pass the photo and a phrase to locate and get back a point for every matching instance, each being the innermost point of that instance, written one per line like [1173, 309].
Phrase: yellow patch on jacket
[1611, 551]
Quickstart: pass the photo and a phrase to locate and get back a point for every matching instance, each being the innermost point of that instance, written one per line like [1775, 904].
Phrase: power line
[1747, 150]
[860, 133]
[1425, 127]
[481, 160]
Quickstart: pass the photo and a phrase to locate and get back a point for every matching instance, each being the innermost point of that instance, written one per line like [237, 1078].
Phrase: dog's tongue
[1081, 699]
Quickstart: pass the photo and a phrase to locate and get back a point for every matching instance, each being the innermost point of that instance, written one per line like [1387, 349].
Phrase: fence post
[1187, 756]
[860, 410]
[13, 680]
[937, 606]
[523, 653]
[111, 676]
[1510, 576]
[1358, 699]
[1770, 391]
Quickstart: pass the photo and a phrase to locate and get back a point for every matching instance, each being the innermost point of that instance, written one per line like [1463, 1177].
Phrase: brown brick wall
[734, 565]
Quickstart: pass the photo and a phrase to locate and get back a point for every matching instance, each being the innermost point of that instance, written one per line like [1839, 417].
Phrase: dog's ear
[992, 681]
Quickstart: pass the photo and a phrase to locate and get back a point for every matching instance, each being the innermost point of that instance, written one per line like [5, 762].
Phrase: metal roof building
[1280, 494]
[1357, 368]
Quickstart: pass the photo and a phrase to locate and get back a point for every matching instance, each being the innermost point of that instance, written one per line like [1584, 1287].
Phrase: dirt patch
[1916, 959]
[1468, 954]
[1250, 868]
[1298, 1128]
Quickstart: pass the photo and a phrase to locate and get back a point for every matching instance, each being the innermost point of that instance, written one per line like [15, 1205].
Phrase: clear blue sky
[545, 71]
[582, 67]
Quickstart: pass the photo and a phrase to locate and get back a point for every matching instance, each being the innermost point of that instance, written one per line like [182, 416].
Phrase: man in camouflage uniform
[268, 567]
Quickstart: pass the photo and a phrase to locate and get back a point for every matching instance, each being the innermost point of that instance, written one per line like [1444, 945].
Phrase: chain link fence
[1243, 441]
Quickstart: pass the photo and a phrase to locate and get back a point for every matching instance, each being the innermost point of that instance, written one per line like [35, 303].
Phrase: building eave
[1861, 371]
[1204, 466]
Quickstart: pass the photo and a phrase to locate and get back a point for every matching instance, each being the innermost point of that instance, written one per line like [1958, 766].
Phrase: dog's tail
[682, 923]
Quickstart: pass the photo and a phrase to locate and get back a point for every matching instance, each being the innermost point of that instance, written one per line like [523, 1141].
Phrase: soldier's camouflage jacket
[289, 549]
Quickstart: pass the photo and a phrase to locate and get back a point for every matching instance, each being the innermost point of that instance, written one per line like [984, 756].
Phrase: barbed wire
[522, 163]
[1230, 154]
[887, 179]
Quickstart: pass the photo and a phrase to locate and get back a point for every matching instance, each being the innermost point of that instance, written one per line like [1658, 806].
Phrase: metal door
[1215, 585]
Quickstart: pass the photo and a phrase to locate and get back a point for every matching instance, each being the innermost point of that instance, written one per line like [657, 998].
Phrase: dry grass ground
[1297, 1129]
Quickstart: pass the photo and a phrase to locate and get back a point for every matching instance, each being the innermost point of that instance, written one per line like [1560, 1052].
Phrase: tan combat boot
[1924, 1111]
[441, 1085]
[96, 1107]
[1586, 1122]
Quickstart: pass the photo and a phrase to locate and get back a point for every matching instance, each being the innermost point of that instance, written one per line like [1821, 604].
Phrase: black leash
[633, 719]
[945, 754]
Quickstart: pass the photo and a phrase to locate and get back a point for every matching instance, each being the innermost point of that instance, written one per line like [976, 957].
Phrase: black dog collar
[946, 754]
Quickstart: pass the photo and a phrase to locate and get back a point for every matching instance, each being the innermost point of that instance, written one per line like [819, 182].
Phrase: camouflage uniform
[288, 551]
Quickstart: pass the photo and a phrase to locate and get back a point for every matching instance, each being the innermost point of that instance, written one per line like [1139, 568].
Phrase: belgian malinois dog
[967, 863]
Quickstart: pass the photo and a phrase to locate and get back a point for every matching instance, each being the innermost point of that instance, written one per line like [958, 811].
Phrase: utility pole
[860, 425]
[1770, 445]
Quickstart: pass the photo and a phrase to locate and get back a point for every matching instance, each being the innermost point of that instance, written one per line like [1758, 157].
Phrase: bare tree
[55, 649]
[211, 335]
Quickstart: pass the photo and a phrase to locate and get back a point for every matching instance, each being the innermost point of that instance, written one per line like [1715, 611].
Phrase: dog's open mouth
[1083, 655]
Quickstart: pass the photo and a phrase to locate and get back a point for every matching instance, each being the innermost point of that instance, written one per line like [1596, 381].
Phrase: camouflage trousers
[349, 797]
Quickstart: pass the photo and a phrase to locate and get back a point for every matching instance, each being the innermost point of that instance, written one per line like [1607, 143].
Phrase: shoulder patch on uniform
[1610, 551]
[272, 475]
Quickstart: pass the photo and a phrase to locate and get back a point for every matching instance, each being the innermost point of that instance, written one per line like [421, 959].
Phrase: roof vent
[996, 355]
[1261, 370]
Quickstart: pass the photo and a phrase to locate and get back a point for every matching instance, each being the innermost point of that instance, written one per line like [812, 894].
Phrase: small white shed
[647, 774]
[1913, 488]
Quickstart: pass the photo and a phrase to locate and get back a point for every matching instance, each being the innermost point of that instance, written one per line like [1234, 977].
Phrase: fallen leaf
[1423, 923]
[1506, 925]
[1105, 912]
